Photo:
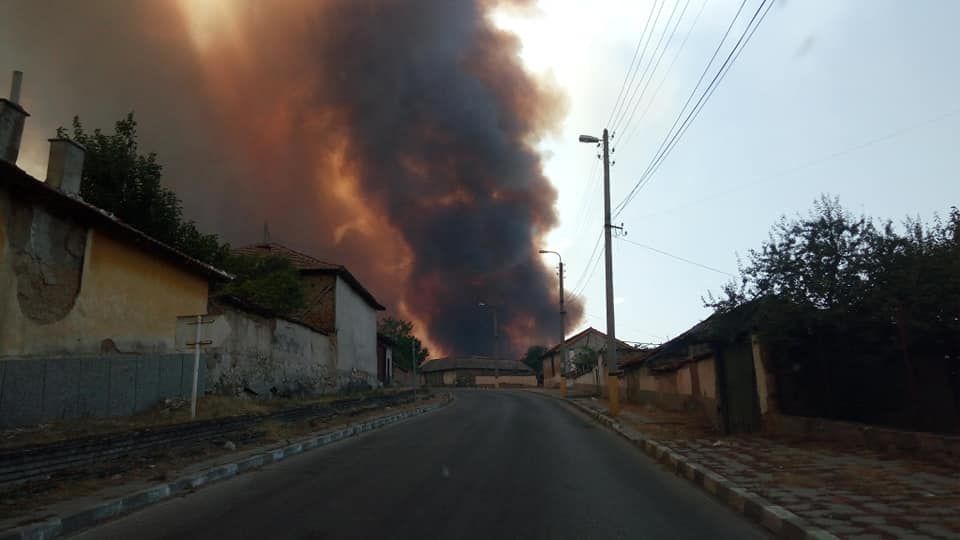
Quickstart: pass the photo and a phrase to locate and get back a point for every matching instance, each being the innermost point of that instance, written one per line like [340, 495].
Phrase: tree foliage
[120, 179]
[267, 281]
[852, 297]
[401, 332]
[534, 358]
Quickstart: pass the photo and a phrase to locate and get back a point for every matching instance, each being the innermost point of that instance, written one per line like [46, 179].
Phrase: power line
[636, 52]
[667, 146]
[625, 137]
[815, 161]
[655, 63]
[677, 257]
[626, 103]
[586, 269]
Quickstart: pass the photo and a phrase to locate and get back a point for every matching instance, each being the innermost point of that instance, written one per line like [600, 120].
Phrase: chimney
[65, 166]
[12, 118]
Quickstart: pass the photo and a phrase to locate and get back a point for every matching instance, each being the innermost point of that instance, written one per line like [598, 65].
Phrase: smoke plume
[393, 136]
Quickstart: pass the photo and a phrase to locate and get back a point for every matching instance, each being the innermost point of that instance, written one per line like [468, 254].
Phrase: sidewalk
[849, 492]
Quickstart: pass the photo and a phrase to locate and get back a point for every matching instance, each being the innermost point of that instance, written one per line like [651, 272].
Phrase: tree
[534, 358]
[401, 332]
[120, 179]
[267, 281]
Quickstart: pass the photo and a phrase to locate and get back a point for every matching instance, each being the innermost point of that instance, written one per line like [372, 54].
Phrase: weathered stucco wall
[268, 356]
[356, 335]
[65, 289]
[707, 373]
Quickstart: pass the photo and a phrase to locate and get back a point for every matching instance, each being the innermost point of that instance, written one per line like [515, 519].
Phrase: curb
[774, 518]
[63, 525]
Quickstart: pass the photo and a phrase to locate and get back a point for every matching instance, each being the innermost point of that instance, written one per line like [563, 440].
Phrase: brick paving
[849, 491]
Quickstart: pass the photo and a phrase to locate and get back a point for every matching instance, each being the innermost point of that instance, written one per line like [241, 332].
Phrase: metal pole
[563, 336]
[613, 388]
[196, 369]
[413, 359]
[496, 350]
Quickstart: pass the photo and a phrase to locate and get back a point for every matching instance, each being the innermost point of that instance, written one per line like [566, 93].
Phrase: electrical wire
[625, 136]
[626, 76]
[671, 141]
[677, 257]
[624, 104]
[624, 127]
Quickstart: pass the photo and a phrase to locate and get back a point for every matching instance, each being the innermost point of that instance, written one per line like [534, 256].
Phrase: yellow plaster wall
[127, 294]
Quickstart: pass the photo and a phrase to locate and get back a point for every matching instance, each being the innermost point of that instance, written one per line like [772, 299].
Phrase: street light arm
[545, 251]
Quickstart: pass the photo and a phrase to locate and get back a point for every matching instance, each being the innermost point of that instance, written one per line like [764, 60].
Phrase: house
[716, 367]
[338, 304]
[476, 371]
[88, 304]
[587, 345]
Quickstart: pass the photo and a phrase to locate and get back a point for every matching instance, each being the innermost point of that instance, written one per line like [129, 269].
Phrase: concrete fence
[36, 390]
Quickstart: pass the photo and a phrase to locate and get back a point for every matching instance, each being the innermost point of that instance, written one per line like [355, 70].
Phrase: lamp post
[613, 385]
[496, 337]
[563, 328]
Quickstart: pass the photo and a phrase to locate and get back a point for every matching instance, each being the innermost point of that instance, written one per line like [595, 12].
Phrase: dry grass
[167, 413]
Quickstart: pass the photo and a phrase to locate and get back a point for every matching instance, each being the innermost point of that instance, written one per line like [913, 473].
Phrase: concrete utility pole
[496, 338]
[610, 361]
[563, 329]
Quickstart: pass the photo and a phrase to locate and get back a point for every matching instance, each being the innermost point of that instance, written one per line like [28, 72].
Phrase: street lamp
[610, 362]
[563, 328]
[496, 336]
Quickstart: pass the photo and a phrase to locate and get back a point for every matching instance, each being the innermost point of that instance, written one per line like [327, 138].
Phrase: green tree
[534, 358]
[267, 281]
[122, 180]
[401, 331]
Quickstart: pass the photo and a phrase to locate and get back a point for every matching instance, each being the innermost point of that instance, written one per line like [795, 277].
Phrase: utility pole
[563, 329]
[613, 385]
[610, 360]
[413, 359]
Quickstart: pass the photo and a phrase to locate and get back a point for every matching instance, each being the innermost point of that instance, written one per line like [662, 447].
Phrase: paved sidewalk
[851, 492]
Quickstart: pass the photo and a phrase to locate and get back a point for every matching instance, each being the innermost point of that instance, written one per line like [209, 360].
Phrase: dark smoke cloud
[392, 136]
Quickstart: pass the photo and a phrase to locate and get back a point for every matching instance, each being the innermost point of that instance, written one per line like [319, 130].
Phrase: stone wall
[47, 389]
[266, 356]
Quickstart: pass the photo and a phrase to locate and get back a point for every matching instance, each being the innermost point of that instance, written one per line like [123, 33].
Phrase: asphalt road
[494, 464]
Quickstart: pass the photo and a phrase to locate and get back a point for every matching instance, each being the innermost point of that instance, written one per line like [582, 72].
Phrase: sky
[855, 99]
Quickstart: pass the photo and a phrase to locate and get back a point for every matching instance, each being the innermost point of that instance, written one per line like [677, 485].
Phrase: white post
[196, 369]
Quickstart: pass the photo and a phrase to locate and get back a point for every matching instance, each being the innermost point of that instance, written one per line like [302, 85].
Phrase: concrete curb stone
[776, 519]
[64, 525]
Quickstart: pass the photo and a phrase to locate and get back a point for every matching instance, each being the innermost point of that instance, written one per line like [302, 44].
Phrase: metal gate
[739, 405]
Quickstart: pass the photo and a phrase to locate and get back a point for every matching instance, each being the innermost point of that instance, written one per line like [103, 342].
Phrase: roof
[576, 337]
[263, 311]
[473, 362]
[717, 328]
[308, 264]
[22, 184]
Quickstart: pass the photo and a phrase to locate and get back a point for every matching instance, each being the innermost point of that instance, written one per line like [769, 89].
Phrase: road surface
[494, 464]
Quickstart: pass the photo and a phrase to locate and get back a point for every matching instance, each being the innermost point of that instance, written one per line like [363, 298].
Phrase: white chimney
[65, 166]
[12, 118]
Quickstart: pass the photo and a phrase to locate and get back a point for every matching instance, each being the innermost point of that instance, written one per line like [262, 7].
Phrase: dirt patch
[169, 412]
[28, 498]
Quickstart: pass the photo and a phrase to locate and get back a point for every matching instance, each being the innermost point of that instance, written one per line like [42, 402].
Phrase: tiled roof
[24, 185]
[307, 264]
[300, 261]
[474, 362]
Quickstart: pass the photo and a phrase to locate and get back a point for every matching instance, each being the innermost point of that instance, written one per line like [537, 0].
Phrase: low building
[476, 371]
[716, 367]
[88, 304]
[338, 304]
[583, 351]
